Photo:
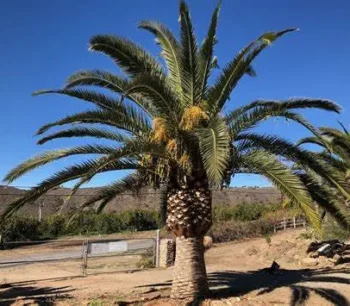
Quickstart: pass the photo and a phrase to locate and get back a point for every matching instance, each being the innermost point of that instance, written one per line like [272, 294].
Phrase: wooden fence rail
[289, 223]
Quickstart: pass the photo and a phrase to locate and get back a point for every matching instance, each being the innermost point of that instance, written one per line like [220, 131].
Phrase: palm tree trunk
[190, 276]
[189, 218]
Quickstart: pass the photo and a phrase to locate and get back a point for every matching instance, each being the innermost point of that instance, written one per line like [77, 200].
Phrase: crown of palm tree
[166, 118]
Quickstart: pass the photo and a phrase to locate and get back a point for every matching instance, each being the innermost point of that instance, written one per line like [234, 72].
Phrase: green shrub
[20, 228]
[236, 230]
[242, 212]
[87, 223]
[332, 230]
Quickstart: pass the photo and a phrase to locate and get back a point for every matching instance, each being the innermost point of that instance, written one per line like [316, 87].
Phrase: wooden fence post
[284, 223]
[294, 222]
[85, 257]
[157, 248]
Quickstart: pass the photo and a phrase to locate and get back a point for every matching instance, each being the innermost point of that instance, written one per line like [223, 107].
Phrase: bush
[236, 230]
[243, 212]
[87, 223]
[20, 228]
[332, 230]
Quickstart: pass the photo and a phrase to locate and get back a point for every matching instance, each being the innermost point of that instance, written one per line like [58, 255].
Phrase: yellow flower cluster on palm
[192, 117]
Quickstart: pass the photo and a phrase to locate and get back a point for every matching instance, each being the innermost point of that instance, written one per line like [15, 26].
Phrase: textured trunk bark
[189, 218]
[190, 276]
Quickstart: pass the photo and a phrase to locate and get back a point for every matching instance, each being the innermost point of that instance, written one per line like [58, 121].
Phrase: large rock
[207, 242]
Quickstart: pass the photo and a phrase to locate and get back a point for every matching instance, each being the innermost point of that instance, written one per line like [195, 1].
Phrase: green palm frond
[104, 79]
[284, 179]
[214, 144]
[207, 50]
[101, 166]
[127, 55]
[312, 140]
[171, 51]
[286, 105]
[327, 198]
[159, 92]
[331, 132]
[86, 132]
[234, 70]
[249, 119]
[100, 100]
[130, 121]
[98, 78]
[189, 58]
[303, 122]
[57, 179]
[308, 160]
[121, 157]
[50, 156]
[132, 182]
[301, 103]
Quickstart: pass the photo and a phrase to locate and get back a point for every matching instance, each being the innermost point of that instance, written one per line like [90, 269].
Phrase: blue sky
[45, 41]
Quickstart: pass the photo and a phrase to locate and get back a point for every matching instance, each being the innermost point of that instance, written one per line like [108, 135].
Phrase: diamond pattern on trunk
[189, 212]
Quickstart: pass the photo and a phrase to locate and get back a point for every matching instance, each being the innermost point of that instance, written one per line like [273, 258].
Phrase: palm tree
[336, 152]
[168, 125]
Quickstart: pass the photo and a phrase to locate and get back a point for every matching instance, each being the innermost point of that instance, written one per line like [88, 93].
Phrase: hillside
[148, 199]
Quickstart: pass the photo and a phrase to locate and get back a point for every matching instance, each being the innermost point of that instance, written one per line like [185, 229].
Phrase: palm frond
[99, 99]
[189, 58]
[86, 132]
[104, 79]
[290, 104]
[331, 132]
[101, 166]
[127, 55]
[132, 182]
[122, 158]
[312, 140]
[50, 156]
[131, 121]
[207, 49]
[303, 122]
[214, 142]
[234, 70]
[301, 103]
[57, 179]
[302, 157]
[327, 198]
[171, 51]
[284, 179]
[158, 91]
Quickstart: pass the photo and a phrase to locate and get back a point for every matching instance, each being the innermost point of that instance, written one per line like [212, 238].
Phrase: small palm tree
[336, 153]
[168, 125]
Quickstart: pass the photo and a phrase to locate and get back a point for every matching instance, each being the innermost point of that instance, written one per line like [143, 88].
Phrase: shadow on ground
[9, 293]
[227, 284]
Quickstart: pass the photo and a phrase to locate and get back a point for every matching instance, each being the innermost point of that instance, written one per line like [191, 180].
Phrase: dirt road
[235, 270]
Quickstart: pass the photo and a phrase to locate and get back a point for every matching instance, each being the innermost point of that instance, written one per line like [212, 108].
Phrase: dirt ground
[235, 270]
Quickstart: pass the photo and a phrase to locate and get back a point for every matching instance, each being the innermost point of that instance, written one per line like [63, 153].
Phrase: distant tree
[169, 126]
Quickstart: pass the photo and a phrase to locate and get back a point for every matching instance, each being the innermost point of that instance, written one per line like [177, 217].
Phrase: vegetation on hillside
[89, 223]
